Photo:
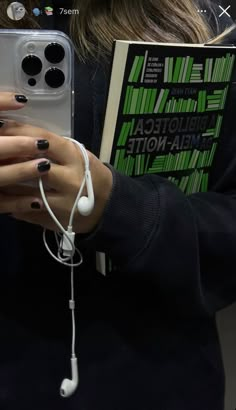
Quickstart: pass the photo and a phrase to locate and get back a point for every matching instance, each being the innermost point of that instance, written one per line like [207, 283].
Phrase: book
[165, 110]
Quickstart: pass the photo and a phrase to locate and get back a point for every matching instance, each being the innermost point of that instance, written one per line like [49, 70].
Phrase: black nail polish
[35, 205]
[1, 123]
[44, 166]
[42, 144]
[21, 98]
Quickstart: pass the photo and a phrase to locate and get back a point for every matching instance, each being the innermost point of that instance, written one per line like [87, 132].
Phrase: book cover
[170, 111]
[165, 110]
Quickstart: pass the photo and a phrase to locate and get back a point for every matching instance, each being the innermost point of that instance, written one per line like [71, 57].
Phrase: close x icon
[224, 10]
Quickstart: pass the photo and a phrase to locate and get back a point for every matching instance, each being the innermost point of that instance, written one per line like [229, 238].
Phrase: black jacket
[146, 334]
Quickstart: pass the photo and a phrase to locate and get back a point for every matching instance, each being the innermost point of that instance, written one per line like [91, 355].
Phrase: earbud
[86, 203]
[69, 386]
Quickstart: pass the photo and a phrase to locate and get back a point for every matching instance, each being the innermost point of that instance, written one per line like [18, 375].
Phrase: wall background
[226, 320]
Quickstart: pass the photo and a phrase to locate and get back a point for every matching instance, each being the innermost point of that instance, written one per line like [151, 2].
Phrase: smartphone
[40, 65]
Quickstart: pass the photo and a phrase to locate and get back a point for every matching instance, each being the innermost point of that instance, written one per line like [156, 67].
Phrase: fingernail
[21, 98]
[42, 144]
[1, 123]
[44, 166]
[35, 205]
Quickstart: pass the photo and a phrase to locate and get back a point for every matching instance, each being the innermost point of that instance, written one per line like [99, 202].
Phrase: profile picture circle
[16, 10]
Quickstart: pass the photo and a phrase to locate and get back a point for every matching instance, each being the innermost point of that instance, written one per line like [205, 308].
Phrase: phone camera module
[54, 77]
[31, 65]
[54, 53]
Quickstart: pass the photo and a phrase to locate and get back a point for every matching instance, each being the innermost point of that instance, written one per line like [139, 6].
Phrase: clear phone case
[40, 65]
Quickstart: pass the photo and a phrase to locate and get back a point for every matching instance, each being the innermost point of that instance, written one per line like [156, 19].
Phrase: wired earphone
[66, 251]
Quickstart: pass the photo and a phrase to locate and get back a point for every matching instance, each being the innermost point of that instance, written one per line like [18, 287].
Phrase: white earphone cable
[65, 245]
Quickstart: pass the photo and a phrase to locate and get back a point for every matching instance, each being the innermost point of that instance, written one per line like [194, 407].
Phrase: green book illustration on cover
[170, 107]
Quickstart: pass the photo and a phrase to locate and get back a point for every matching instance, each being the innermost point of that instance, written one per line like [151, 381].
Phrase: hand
[63, 176]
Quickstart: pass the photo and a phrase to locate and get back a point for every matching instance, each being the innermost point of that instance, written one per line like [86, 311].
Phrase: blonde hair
[102, 21]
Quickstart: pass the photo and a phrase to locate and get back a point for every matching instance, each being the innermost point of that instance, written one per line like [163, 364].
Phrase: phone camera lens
[31, 65]
[54, 77]
[54, 53]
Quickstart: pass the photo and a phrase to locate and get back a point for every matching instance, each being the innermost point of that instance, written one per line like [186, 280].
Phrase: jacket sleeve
[183, 244]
